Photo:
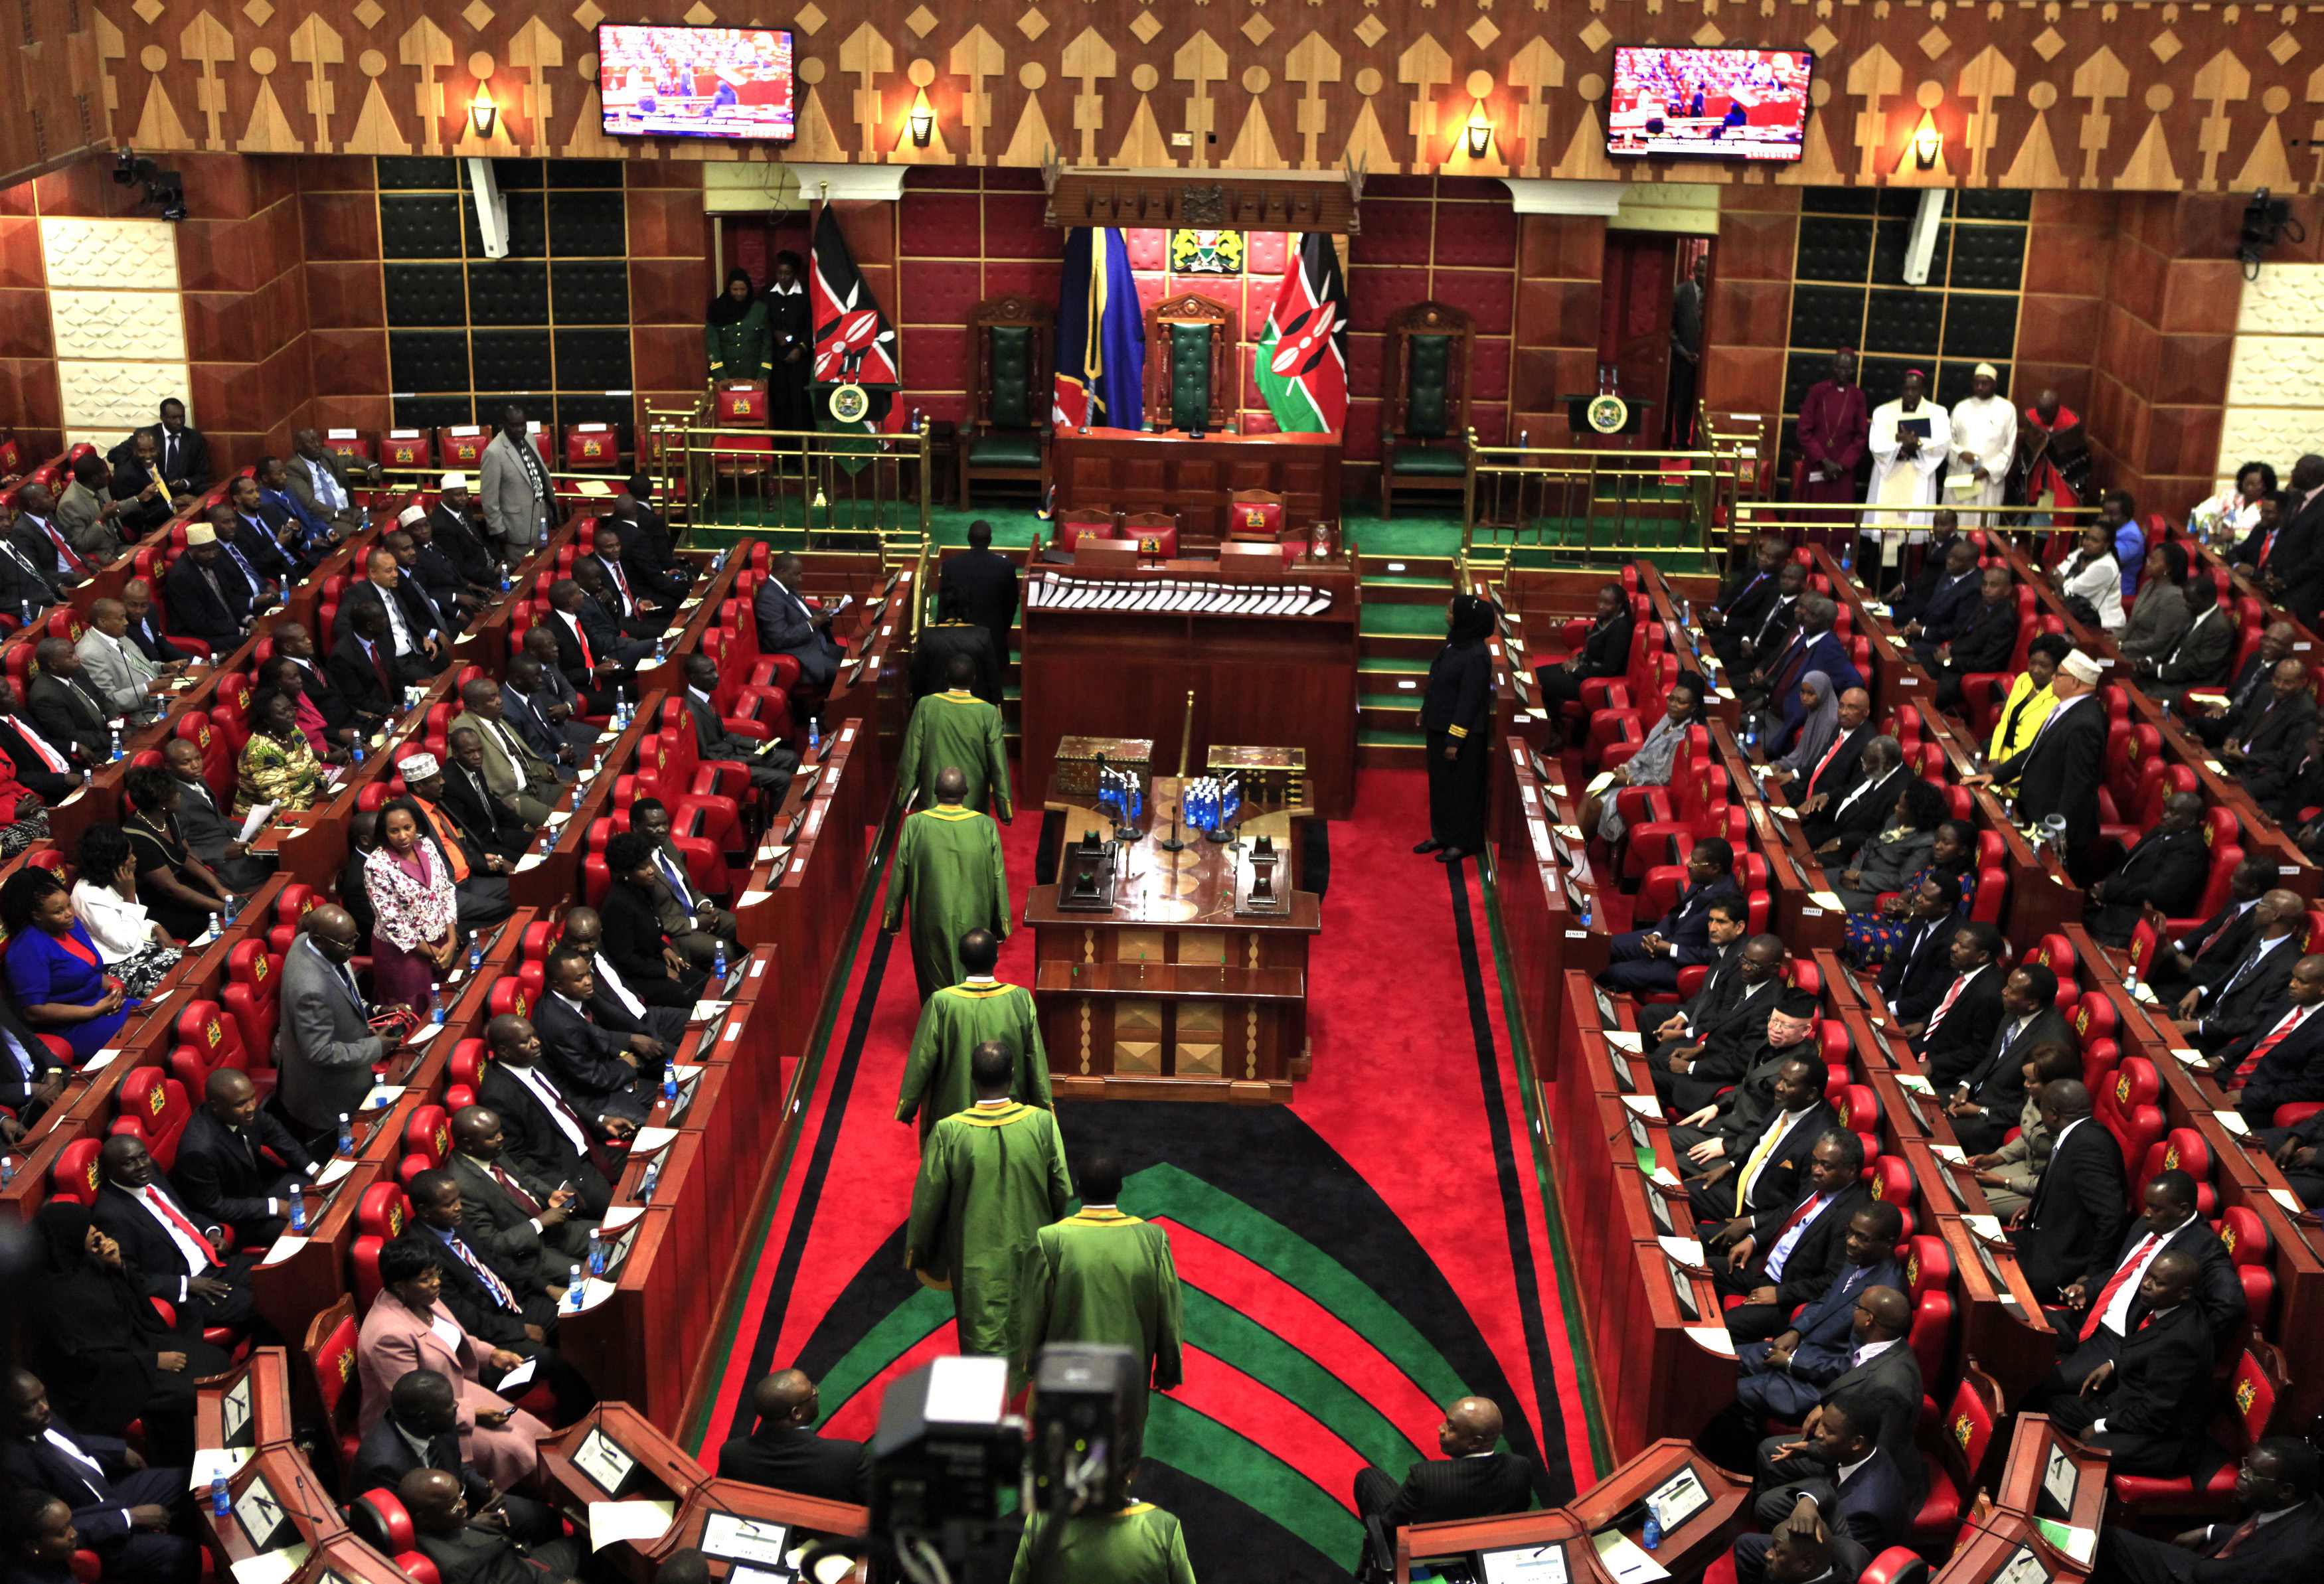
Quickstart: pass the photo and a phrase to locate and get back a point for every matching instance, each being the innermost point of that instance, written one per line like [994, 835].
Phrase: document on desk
[216, 1463]
[611, 1523]
[340, 1167]
[257, 817]
[1987, 1226]
[1623, 1039]
[1531, 1564]
[271, 1567]
[514, 1382]
[1624, 1560]
[284, 1247]
[650, 1140]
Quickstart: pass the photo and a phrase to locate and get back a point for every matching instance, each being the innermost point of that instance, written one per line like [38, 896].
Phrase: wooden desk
[280, 1506]
[802, 1517]
[344, 1559]
[248, 1406]
[1171, 995]
[1131, 470]
[615, 1454]
[1289, 681]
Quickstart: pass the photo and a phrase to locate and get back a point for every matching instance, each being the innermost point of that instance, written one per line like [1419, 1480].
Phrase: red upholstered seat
[427, 1142]
[2258, 1381]
[378, 1517]
[329, 1349]
[75, 1175]
[592, 446]
[461, 445]
[407, 448]
[151, 1106]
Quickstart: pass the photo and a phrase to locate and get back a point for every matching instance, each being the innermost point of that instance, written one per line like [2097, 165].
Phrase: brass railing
[2031, 529]
[1593, 503]
[839, 489]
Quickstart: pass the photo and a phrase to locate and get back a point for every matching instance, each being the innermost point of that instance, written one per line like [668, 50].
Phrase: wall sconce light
[1928, 143]
[923, 120]
[483, 113]
[1480, 131]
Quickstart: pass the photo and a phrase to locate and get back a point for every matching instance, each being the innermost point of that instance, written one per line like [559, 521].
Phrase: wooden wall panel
[2135, 95]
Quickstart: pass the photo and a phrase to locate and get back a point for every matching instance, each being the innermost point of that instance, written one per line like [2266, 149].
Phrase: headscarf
[1817, 728]
[63, 1227]
[1471, 623]
[723, 309]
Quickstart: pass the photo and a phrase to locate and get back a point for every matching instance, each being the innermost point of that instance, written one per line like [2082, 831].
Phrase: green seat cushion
[1426, 364]
[1012, 376]
[1427, 461]
[1190, 376]
[1013, 450]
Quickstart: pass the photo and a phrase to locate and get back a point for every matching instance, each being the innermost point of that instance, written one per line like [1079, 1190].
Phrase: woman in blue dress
[1874, 933]
[56, 975]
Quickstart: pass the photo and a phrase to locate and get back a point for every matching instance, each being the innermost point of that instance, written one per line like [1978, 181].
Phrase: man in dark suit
[770, 765]
[2164, 868]
[266, 535]
[181, 457]
[2248, 692]
[2214, 947]
[1471, 1481]
[341, 723]
[1985, 642]
[452, 594]
[2302, 578]
[2267, 741]
[2233, 985]
[526, 710]
[145, 627]
[64, 707]
[207, 832]
[646, 581]
[1950, 606]
[1747, 595]
[1793, 1251]
[209, 599]
[1840, 819]
[2147, 1405]
[555, 697]
[1770, 628]
[39, 539]
[1640, 962]
[1831, 774]
[50, 767]
[608, 1071]
[508, 1305]
[1959, 1028]
[633, 605]
[1723, 983]
[1869, 1360]
[361, 668]
[550, 1133]
[954, 634]
[137, 1207]
[122, 1509]
[2277, 1541]
[484, 826]
[788, 627]
[783, 1452]
[27, 583]
[1985, 1098]
[416, 646]
[1864, 1497]
[1780, 1077]
[2281, 1059]
[518, 1218]
[1814, 646]
[1919, 972]
[2200, 655]
[2059, 771]
[646, 549]
[1908, 597]
[985, 582]
[421, 1430]
[2075, 1220]
[695, 925]
[659, 1001]
[588, 650]
[1689, 1074]
[145, 496]
[1766, 1170]
[466, 1548]
[236, 1163]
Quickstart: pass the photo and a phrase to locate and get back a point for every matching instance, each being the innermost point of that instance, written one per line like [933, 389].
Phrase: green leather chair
[1190, 350]
[1008, 434]
[1423, 430]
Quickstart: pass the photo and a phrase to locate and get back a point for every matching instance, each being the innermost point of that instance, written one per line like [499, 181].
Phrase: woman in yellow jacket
[2030, 698]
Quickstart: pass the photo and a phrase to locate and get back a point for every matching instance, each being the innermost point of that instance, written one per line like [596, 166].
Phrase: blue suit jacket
[1827, 654]
[1825, 1343]
[1950, 607]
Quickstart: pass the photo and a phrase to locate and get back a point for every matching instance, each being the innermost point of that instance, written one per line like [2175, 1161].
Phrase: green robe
[744, 350]
[955, 1020]
[1140, 1544]
[956, 730]
[1104, 1276]
[990, 1178]
[948, 864]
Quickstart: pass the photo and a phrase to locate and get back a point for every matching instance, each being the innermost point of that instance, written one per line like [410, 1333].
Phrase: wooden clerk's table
[1171, 994]
[1129, 470]
[1666, 1466]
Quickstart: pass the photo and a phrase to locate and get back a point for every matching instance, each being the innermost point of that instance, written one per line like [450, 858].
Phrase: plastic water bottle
[221, 1499]
[718, 964]
[475, 956]
[116, 743]
[298, 1209]
[347, 1136]
[596, 1253]
[573, 1294]
[436, 1007]
[2130, 979]
[660, 654]
[504, 580]
[7, 1170]
[717, 562]
[1651, 1536]
[814, 737]
[233, 907]
[354, 750]
[1586, 905]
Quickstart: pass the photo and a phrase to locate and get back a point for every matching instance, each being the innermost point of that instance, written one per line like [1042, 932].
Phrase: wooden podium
[1169, 980]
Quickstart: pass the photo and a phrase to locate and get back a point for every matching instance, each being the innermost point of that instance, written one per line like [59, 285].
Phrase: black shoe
[1450, 855]
[1430, 846]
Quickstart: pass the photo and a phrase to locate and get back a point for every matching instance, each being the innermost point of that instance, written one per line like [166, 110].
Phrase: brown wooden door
[1634, 328]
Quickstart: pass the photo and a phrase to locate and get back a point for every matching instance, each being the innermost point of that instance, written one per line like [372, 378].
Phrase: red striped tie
[2291, 1020]
[2114, 1286]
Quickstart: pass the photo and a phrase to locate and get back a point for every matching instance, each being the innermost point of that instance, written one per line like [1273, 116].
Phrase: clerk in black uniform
[790, 331]
[1454, 716]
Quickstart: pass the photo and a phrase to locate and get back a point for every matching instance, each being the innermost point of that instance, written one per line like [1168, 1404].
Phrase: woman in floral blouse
[279, 765]
[417, 936]
[1871, 935]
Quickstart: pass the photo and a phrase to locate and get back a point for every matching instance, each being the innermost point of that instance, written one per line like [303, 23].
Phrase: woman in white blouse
[137, 950]
[2093, 573]
[2224, 518]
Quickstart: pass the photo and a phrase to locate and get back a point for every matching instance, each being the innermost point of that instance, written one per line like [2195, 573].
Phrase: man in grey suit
[118, 668]
[319, 482]
[519, 500]
[208, 834]
[519, 778]
[771, 764]
[787, 627]
[324, 1046]
[507, 1211]
[64, 707]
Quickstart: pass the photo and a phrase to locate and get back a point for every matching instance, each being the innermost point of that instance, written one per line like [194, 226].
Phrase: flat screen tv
[1709, 104]
[728, 82]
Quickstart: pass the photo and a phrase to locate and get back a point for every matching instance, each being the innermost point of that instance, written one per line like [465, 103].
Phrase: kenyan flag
[1303, 358]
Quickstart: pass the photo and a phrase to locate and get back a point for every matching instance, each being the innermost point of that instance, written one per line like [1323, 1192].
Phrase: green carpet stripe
[1164, 1190]
[1203, 1449]
[906, 1327]
[1226, 1332]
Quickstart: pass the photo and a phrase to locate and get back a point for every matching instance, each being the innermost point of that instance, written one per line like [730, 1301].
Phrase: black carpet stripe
[1556, 1482]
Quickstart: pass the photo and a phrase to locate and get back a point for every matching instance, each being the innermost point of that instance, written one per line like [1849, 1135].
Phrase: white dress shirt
[552, 1100]
[2116, 1317]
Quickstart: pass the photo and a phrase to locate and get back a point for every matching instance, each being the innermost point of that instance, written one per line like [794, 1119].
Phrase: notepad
[271, 1567]
[1987, 1226]
[216, 1463]
[1714, 1337]
[99, 1062]
[1624, 1560]
[2233, 1122]
[2076, 1541]
[1685, 1250]
[704, 1011]
[287, 1244]
[1661, 1177]
[1645, 1105]
[530, 861]
[1622, 1039]
[1599, 782]
[2191, 1058]
[649, 1139]
[423, 1033]
[381, 1096]
[1828, 899]
[612, 1522]
[338, 1167]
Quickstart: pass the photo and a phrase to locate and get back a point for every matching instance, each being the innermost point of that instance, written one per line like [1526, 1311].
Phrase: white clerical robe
[1985, 435]
[1906, 480]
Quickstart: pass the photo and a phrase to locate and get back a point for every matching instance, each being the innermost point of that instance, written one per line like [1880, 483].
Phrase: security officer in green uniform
[736, 335]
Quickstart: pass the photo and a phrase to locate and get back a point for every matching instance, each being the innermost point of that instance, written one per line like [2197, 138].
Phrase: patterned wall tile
[2277, 371]
[138, 327]
[116, 397]
[2287, 299]
[137, 255]
[2276, 434]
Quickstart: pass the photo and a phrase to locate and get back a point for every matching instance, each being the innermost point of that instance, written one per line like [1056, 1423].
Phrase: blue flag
[1101, 377]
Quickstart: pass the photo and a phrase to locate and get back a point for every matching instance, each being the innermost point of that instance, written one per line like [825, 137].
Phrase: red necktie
[72, 558]
[2291, 1020]
[515, 1190]
[588, 661]
[379, 664]
[1800, 1212]
[623, 585]
[2114, 1284]
[161, 1202]
[2244, 1531]
[2265, 545]
[1943, 1007]
[2213, 938]
[1830, 753]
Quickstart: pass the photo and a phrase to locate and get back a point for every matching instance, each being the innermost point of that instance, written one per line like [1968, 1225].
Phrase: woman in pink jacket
[408, 1329]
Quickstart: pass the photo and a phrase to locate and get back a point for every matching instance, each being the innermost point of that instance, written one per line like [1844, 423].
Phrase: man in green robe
[1100, 1275]
[957, 1021]
[1138, 1544]
[990, 1178]
[948, 864]
[956, 728]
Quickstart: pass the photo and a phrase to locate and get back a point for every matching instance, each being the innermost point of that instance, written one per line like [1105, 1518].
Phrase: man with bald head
[121, 1509]
[659, 1006]
[1475, 1479]
[2166, 868]
[556, 1136]
[470, 1548]
[556, 696]
[64, 707]
[324, 1044]
[783, 1452]
[2074, 1223]
[179, 1257]
[526, 710]
[787, 626]
[236, 1163]
[2149, 1404]
[2282, 1061]
[506, 1207]
[145, 628]
[1843, 1342]
[116, 669]
[948, 864]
